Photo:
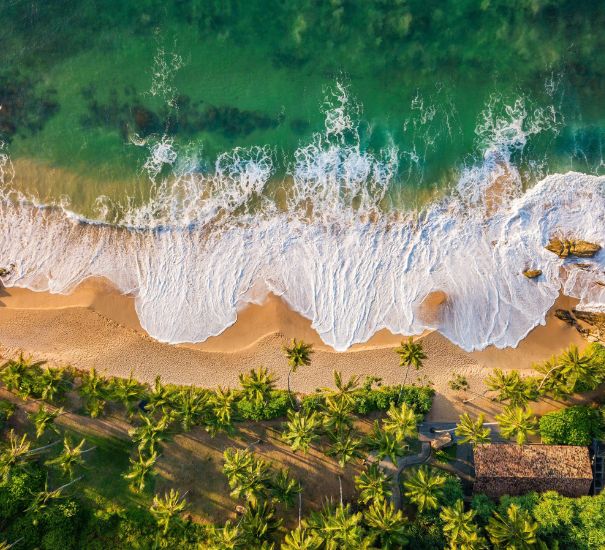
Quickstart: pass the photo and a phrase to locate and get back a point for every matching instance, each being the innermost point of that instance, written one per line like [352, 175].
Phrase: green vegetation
[577, 425]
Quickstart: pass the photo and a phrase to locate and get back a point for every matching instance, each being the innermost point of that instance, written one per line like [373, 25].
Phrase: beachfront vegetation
[578, 425]
[171, 466]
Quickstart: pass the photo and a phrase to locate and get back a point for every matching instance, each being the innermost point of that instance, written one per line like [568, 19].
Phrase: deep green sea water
[80, 78]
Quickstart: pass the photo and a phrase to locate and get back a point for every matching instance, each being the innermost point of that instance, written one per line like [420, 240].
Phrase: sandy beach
[96, 327]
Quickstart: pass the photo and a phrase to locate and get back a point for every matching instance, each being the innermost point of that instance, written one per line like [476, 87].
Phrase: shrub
[6, 411]
[368, 399]
[577, 425]
[276, 406]
[484, 506]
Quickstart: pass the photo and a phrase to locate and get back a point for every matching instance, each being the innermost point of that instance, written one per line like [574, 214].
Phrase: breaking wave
[334, 242]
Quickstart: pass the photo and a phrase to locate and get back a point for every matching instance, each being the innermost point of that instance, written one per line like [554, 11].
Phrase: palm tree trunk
[405, 378]
[340, 487]
[33, 451]
[289, 390]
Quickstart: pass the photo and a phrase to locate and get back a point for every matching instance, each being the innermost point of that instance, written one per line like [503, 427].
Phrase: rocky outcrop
[567, 247]
[6, 271]
[589, 324]
[532, 273]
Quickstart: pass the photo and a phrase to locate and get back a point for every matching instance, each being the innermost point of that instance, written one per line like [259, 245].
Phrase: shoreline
[97, 327]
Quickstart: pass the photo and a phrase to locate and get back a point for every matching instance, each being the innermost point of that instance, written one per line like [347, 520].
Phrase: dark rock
[566, 316]
[566, 247]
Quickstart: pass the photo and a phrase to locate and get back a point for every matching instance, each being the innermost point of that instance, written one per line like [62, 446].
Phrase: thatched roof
[509, 469]
[533, 461]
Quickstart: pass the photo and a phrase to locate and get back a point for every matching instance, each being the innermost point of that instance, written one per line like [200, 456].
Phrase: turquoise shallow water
[79, 79]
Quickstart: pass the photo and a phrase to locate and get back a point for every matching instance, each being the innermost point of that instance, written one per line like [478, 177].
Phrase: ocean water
[352, 158]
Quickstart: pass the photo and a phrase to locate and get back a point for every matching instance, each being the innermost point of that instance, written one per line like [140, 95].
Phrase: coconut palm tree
[54, 383]
[423, 487]
[337, 527]
[249, 477]
[578, 369]
[165, 508]
[191, 406]
[298, 355]
[553, 381]
[301, 430]
[70, 457]
[221, 410]
[386, 524]
[458, 525]
[95, 391]
[410, 355]
[43, 498]
[257, 385]
[259, 522]
[513, 530]
[128, 391]
[337, 415]
[15, 453]
[301, 539]
[14, 372]
[472, 431]
[284, 489]
[401, 422]
[345, 390]
[228, 537]
[386, 444]
[373, 485]
[517, 423]
[43, 419]
[344, 447]
[140, 469]
[511, 387]
[149, 433]
[159, 398]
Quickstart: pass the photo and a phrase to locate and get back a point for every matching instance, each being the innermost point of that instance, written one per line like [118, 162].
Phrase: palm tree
[410, 355]
[94, 391]
[553, 380]
[140, 470]
[401, 422]
[577, 369]
[345, 391]
[301, 539]
[284, 488]
[43, 419]
[259, 522]
[248, 476]
[337, 415]
[458, 525]
[511, 387]
[386, 524]
[338, 527]
[373, 485]
[14, 372]
[159, 398]
[298, 355]
[515, 530]
[128, 391]
[150, 433]
[472, 431]
[344, 448]
[42, 498]
[70, 457]
[221, 408]
[386, 444]
[191, 406]
[228, 537]
[165, 508]
[517, 423]
[301, 430]
[53, 383]
[423, 487]
[16, 452]
[257, 385]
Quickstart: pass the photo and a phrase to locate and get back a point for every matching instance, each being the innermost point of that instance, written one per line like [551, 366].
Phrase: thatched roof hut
[507, 469]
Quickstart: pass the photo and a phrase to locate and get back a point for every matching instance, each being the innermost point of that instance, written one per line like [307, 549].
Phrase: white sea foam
[339, 255]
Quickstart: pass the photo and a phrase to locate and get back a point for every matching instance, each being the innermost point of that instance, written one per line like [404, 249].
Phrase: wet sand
[97, 327]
